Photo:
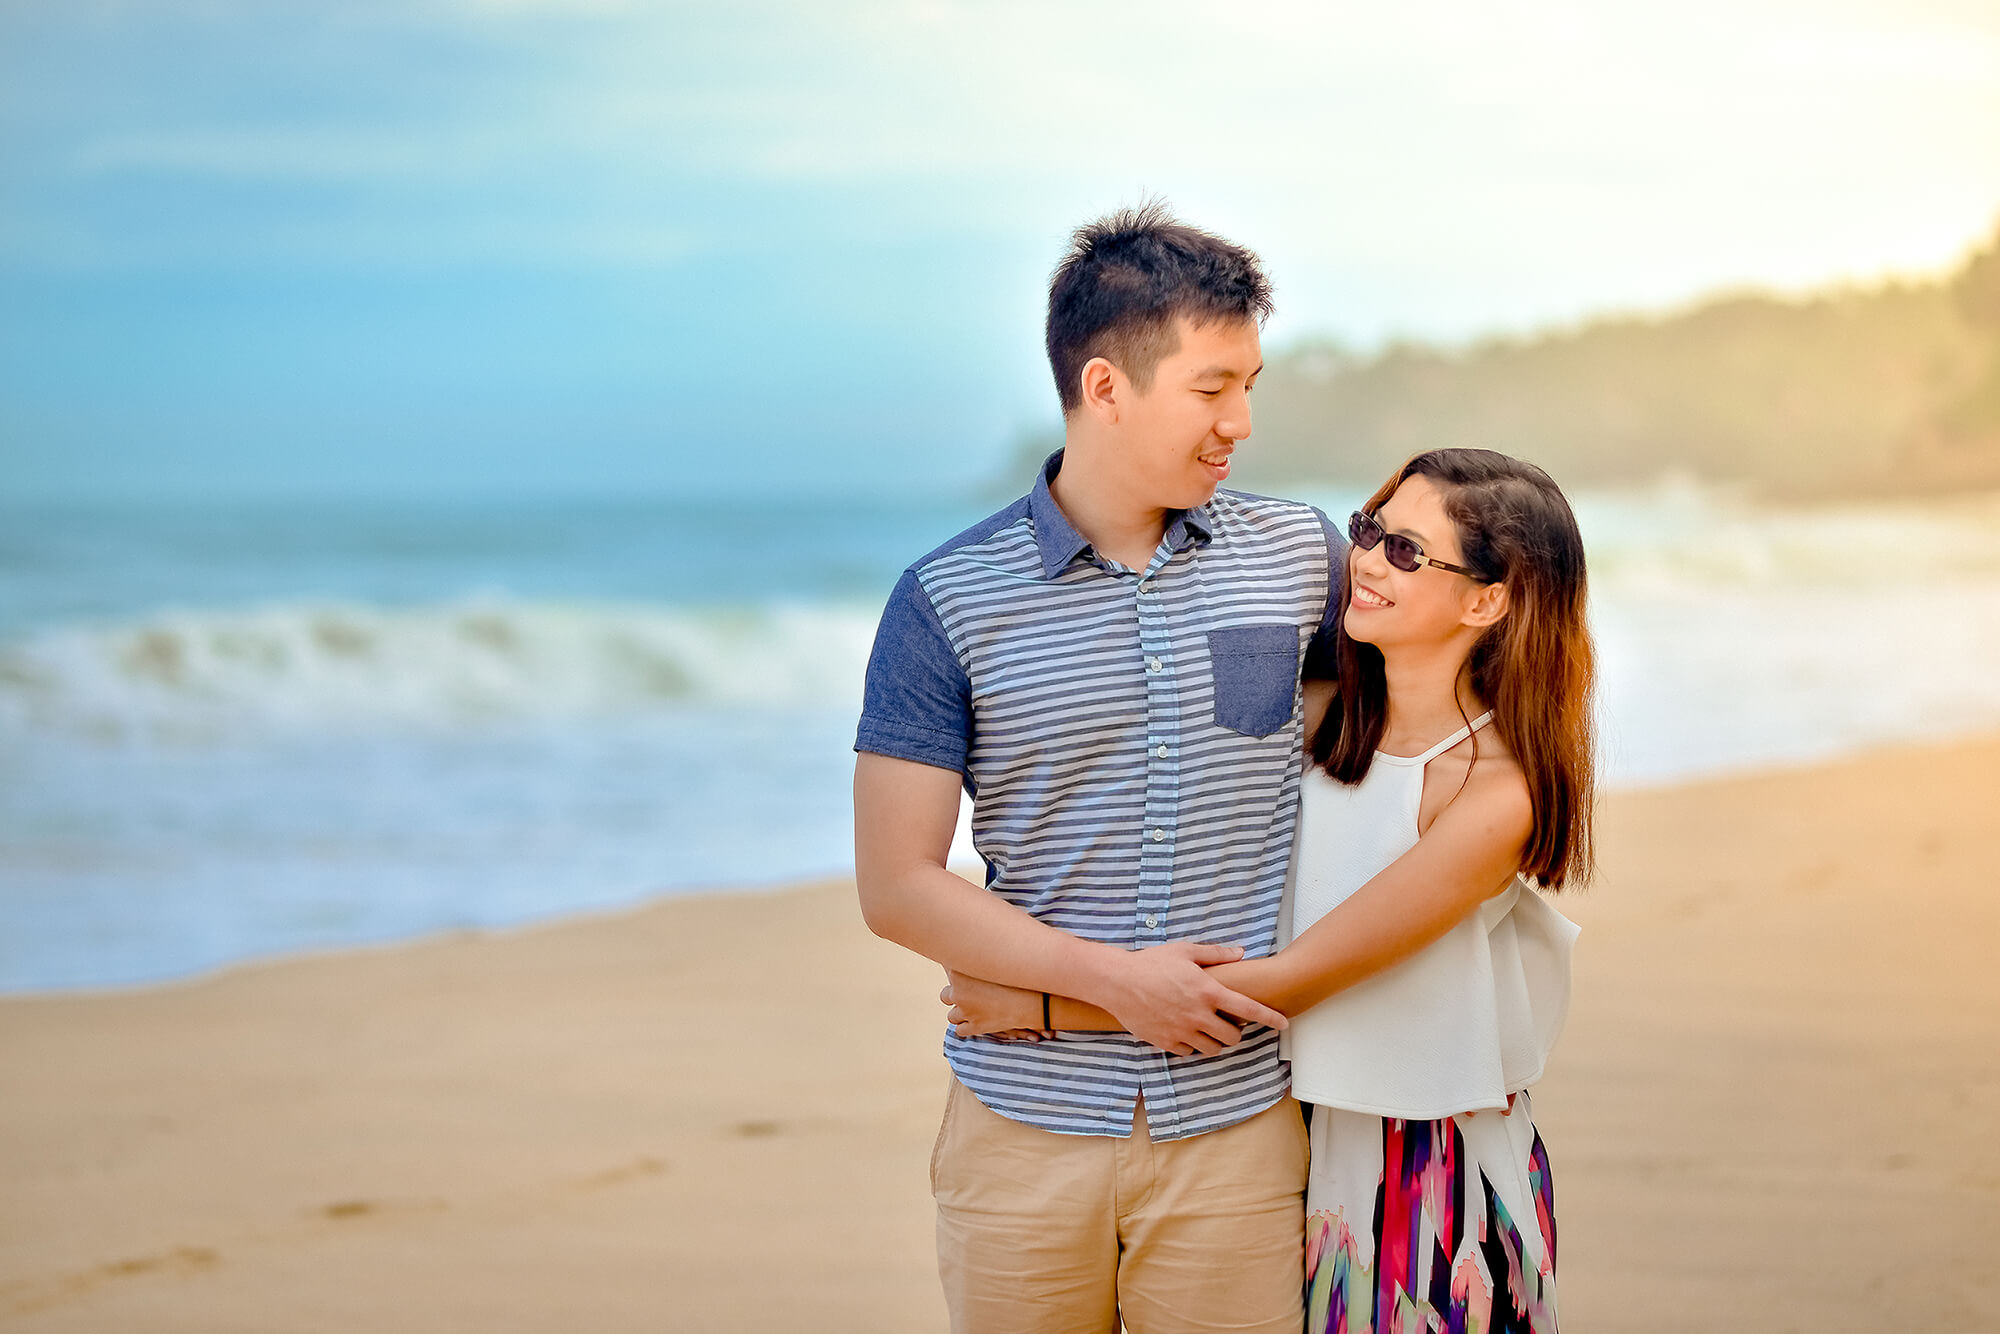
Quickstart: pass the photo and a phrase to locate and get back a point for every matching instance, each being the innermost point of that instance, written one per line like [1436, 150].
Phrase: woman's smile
[1367, 599]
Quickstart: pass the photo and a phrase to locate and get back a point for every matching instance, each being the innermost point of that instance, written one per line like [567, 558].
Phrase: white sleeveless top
[1458, 1025]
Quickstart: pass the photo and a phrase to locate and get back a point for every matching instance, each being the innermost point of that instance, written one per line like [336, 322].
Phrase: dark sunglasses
[1401, 551]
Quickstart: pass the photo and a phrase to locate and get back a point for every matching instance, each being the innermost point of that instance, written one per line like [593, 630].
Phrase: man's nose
[1234, 423]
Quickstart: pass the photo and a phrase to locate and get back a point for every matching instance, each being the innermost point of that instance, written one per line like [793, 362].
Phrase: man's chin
[1196, 493]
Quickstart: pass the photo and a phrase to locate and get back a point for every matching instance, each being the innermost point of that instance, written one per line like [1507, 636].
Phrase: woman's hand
[981, 1008]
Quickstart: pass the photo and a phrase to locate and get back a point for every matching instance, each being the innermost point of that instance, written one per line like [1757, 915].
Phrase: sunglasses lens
[1401, 552]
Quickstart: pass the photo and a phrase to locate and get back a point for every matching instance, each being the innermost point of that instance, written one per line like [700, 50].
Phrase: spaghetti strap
[1456, 737]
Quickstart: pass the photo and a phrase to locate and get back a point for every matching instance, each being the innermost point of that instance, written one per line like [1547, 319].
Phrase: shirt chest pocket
[1256, 671]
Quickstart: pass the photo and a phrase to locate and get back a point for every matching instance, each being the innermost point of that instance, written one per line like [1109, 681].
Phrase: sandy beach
[1776, 1106]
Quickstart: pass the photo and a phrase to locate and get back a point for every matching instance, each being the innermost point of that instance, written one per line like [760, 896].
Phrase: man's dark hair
[1127, 279]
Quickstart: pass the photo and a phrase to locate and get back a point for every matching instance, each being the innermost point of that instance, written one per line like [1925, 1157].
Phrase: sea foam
[198, 673]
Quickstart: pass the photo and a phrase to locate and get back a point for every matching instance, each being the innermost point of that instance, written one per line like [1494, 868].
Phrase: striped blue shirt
[1130, 740]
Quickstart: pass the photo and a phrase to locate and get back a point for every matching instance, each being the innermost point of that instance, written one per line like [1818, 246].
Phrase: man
[1109, 666]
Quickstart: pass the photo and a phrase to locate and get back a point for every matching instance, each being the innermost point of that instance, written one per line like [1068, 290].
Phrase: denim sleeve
[1321, 663]
[1336, 567]
[917, 701]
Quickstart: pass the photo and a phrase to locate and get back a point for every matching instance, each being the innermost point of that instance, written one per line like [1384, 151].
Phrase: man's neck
[1094, 496]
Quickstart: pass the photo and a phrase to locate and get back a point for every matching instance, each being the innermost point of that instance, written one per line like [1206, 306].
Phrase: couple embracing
[1243, 1018]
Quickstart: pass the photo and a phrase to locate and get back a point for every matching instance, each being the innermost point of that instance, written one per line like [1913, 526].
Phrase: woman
[1448, 746]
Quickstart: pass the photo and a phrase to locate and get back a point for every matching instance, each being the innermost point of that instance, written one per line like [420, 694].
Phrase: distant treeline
[1872, 391]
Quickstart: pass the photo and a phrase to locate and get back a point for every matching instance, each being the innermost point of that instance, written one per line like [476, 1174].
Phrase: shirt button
[1162, 751]
[1159, 835]
[1152, 919]
[1145, 585]
[1153, 664]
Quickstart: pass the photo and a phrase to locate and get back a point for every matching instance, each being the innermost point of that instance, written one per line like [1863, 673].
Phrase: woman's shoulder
[1500, 782]
[1488, 785]
[1491, 764]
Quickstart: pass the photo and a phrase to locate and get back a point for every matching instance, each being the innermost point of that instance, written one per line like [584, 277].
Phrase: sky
[522, 248]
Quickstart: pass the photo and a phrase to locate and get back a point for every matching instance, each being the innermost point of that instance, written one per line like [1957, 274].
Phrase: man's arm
[904, 814]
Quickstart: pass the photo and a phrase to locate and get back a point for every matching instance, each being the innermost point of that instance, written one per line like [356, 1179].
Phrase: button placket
[1156, 833]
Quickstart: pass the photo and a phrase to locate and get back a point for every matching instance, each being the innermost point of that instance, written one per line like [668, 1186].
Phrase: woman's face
[1426, 605]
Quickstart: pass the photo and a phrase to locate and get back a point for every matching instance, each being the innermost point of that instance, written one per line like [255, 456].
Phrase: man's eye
[1208, 393]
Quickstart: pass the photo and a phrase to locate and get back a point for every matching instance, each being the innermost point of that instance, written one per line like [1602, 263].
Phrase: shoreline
[1772, 1104]
[970, 869]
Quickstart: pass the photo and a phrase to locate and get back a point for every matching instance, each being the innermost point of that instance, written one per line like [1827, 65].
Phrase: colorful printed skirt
[1416, 1227]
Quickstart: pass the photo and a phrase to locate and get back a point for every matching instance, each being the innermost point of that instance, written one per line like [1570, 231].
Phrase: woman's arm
[1469, 854]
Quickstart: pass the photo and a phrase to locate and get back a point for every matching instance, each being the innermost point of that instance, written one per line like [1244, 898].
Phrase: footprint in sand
[348, 1209]
[27, 1296]
[618, 1176]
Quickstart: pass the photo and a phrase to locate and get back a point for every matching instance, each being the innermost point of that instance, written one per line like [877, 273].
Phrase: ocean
[228, 733]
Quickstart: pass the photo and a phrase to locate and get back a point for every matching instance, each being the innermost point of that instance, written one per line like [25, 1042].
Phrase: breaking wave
[314, 666]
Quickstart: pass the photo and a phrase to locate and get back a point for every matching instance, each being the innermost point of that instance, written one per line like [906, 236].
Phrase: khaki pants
[1048, 1234]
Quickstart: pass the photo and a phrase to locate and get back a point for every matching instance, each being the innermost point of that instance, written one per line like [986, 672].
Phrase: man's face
[1179, 434]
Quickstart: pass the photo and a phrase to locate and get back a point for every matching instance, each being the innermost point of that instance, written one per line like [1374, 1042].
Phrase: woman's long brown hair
[1535, 668]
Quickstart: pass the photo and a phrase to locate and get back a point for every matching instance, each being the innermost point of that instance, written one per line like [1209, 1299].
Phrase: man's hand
[979, 1007]
[1163, 997]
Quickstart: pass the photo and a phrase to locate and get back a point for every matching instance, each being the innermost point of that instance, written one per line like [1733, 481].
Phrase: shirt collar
[1055, 536]
[1190, 527]
[1060, 543]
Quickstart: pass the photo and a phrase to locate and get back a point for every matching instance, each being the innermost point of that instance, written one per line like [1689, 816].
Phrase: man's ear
[1487, 606]
[1100, 384]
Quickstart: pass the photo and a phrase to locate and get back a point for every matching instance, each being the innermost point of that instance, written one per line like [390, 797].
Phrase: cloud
[828, 93]
[1623, 150]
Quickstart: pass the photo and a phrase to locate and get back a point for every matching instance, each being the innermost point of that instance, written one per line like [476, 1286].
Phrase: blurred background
[452, 454]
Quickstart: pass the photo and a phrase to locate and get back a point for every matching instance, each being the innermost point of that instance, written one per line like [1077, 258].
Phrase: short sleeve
[1336, 567]
[917, 701]
[1321, 663]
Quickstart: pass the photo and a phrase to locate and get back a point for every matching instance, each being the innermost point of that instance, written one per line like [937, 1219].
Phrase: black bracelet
[1047, 1025]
